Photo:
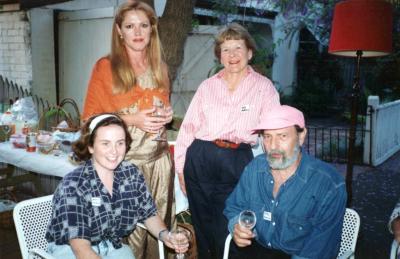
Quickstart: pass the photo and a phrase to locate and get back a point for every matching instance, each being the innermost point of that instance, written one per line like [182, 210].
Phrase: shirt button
[300, 228]
[272, 182]
[272, 201]
[273, 223]
[269, 244]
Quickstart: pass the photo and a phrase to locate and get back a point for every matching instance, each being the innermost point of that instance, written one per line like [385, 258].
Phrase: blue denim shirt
[306, 216]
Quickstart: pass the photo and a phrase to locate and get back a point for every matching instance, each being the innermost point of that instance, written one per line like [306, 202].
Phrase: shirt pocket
[295, 229]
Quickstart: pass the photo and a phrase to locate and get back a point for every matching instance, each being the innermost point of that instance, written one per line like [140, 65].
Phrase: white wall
[197, 63]
[15, 48]
[84, 37]
[285, 65]
[43, 59]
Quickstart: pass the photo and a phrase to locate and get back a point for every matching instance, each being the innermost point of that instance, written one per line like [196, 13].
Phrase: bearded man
[299, 201]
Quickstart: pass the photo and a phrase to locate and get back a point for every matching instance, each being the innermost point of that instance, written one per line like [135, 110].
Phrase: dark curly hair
[86, 140]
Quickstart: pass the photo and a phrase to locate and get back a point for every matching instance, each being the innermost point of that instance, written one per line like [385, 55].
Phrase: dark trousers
[211, 173]
[255, 251]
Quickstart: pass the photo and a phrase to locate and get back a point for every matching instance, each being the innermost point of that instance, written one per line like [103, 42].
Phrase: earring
[121, 37]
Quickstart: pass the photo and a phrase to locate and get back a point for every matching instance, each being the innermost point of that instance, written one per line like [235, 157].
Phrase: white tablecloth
[35, 162]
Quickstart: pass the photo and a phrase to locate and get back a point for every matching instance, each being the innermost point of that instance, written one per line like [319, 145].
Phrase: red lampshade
[364, 25]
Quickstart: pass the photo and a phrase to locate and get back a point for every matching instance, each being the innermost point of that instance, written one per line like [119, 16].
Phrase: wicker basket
[6, 217]
[51, 117]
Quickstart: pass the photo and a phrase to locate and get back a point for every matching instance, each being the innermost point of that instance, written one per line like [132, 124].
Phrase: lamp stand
[355, 98]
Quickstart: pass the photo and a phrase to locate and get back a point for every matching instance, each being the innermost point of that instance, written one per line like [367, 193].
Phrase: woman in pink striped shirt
[215, 138]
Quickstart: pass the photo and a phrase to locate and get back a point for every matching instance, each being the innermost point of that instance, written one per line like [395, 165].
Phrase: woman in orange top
[129, 82]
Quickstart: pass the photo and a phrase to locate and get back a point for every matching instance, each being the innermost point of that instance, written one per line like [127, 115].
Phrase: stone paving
[375, 192]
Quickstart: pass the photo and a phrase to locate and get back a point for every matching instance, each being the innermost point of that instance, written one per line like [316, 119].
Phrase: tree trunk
[174, 26]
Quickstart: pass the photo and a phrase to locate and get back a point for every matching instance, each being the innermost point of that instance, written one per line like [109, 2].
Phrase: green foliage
[195, 23]
[319, 85]
[314, 96]
[262, 62]
[223, 8]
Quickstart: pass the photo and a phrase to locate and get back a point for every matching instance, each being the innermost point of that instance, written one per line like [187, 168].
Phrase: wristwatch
[161, 233]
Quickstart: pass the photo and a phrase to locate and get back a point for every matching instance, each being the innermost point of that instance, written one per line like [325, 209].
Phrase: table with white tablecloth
[34, 161]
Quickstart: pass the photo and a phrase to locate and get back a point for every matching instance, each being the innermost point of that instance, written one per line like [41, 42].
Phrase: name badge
[96, 201]
[245, 108]
[267, 215]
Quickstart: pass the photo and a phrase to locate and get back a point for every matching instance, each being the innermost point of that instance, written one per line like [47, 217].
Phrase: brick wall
[15, 48]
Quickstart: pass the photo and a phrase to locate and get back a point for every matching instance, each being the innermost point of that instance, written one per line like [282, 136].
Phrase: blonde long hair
[123, 75]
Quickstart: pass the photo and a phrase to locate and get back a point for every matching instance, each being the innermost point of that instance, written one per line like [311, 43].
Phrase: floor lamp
[360, 28]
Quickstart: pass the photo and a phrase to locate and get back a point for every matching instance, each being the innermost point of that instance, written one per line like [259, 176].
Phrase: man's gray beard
[276, 164]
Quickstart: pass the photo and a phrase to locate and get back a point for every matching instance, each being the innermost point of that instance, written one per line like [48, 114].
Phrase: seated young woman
[101, 201]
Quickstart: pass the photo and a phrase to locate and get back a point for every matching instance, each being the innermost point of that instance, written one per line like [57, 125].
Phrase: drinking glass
[247, 219]
[180, 236]
[159, 112]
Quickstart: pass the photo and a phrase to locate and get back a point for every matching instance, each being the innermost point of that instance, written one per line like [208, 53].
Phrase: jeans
[105, 249]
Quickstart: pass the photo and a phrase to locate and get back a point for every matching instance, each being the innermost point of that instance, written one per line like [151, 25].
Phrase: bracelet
[162, 232]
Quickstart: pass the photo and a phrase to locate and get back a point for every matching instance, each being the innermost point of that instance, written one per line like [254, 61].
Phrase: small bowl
[45, 148]
[44, 136]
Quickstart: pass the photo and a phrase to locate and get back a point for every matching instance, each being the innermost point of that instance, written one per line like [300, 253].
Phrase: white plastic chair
[394, 251]
[31, 218]
[351, 225]
[227, 245]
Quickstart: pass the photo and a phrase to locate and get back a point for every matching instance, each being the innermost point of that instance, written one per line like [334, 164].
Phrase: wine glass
[159, 112]
[180, 237]
[6, 130]
[247, 219]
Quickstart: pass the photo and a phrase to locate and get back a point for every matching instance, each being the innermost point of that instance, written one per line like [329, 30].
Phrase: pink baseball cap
[281, 117]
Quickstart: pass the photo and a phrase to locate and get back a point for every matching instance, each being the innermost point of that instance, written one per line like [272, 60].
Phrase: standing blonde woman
[129, 82]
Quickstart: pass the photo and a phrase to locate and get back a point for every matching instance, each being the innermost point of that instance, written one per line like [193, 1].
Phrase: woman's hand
[145, 120]
[155, 225]
[180, 246]
[242, 236]
[168, 114]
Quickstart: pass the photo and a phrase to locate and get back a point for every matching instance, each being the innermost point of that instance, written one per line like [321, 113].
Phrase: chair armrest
[41, 253]
[346, 255]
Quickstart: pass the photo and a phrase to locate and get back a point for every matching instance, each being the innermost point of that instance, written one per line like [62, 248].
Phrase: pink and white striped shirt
[217, 113]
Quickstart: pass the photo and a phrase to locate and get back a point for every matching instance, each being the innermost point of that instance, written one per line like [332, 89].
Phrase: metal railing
[331, 143]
